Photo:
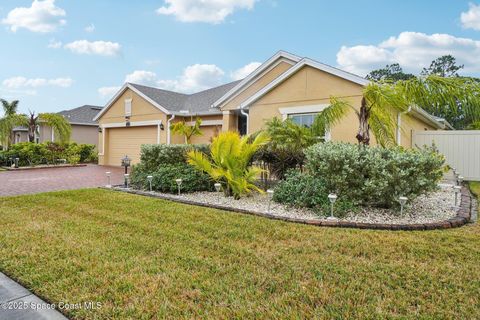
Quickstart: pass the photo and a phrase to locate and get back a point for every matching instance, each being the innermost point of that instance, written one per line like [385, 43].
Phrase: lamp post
[457, 191]
[109, 175]
[179, 184]
[127, 177]
[270, 197]
[150, 178]
[126, 163]
[332, 197]
[403, 201]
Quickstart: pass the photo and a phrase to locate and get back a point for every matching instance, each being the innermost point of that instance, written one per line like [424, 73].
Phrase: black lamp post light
[126, 163]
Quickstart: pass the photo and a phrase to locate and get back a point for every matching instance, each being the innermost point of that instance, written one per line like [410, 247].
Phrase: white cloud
[90, 28]
[245, 70]
[471, 18]
[412, 50]
[53, 44]
[147, 78]
[101, 48]
[42, 16]
[22, 82]
[210, 11]
[108, 91]
[195, 78]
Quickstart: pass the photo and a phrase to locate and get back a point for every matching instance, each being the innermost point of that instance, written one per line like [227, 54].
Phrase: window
[305, 119]
[128, 107]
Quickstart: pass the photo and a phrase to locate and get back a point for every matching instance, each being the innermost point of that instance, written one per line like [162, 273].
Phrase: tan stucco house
[284, 86]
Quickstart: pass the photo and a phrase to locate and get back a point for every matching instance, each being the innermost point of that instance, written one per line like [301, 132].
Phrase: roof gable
[250, 79]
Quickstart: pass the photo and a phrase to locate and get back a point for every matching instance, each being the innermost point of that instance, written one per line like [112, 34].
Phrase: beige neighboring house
[284, 86]
[84, 128]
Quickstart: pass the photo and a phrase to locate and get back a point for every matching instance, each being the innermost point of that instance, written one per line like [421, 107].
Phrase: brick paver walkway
[52, 179]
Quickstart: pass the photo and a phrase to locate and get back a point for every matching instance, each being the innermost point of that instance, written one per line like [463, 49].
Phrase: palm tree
[9, 108]
[188, 131]
[381, 100]
[229, 162]
[58, 123]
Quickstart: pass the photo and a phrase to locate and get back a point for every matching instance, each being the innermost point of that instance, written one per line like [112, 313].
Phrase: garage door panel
[127, 141]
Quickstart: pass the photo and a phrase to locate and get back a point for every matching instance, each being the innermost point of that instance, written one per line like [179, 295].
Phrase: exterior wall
[19, 136]
[84, 134]
[256, 86]
[209, 131]
[230, 121]
[409, 124]
[308, 86]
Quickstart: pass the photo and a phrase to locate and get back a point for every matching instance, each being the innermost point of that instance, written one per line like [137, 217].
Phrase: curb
[44, 167]
[463, 216]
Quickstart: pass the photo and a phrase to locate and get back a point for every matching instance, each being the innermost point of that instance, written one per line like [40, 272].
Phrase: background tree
[9, 121]
[186, 130]
[9, 108]
[444, 66]
[391, 72]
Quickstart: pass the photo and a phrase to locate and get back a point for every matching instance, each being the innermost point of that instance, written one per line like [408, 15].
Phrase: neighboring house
[84, 129]
[19, 134]
[285, 86]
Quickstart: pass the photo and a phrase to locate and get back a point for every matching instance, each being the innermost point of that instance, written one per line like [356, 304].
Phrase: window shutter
[128, 107]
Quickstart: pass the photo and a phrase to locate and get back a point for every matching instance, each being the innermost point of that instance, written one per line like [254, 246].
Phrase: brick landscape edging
[464, 213]
[45, 167]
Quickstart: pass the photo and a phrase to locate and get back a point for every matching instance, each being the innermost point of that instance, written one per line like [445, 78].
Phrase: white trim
[169, 134]
[158, 133]
[207, 123]
[132, 124]
[226, 112]
[302, 109]
[427, 117]
[128, 107]
[304, 62]
[260, 71]
[53, 134]
[120, 92]
[83, 124]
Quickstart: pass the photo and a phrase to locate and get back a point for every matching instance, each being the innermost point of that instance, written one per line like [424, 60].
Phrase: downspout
[242, 111]
[399, 124]
[168, 128]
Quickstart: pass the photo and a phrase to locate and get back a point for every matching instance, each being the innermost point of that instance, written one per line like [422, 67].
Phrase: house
[284, 86]
[84, 129]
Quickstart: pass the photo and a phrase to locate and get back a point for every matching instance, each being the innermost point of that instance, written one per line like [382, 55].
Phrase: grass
[146, 258]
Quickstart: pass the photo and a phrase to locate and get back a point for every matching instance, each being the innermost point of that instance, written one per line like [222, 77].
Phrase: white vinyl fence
[461, 149]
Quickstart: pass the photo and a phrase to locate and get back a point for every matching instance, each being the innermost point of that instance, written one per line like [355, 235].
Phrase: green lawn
[144, 258]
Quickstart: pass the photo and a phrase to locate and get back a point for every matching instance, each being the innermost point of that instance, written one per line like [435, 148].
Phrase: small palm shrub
[374, 175]
[164, 178]
[300, 189]
[229, 162]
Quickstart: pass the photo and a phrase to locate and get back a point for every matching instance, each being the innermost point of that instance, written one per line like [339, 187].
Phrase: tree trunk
[363, 135]
[32, 126]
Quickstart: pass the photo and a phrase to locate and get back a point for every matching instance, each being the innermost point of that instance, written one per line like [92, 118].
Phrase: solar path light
[218, 188]
[150, 178]
[457, 189]
[109, 178]
[127, 178]
[332, 197]
[403, 201]
[270, 197]
[179, 184]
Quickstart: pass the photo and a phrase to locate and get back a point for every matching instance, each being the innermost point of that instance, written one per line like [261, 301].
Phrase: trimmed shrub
[164, 178]
[280, 160]
[374, 175]
[306, 191]
[154, 156]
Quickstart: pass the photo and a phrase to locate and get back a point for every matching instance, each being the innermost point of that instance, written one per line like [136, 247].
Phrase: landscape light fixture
[126, 163]
[460, 180]
[457, 191]
[403, 201]
[218, 188]
[179, 184]
[127, 178]
[109, 175]
[270, 197]
[150, 178]
[332, 197]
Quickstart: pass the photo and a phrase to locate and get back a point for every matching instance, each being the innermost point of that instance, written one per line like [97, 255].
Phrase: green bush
[374, 175]
[306, 191]
[154, 156]
[31, 154]
[164, 178]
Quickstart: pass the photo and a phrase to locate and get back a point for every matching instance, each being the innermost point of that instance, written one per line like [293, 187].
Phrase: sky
[60, 54]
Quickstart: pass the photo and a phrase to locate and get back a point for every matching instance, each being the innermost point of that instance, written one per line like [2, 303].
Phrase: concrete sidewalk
[17, 303]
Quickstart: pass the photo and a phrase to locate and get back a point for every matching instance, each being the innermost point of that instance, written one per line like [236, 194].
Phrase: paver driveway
[51, 179]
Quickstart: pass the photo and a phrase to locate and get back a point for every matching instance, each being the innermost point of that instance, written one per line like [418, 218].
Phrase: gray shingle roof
[81, 115]
[196, 103]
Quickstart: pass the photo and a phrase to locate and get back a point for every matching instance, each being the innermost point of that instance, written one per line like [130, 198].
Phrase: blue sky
[62, 54]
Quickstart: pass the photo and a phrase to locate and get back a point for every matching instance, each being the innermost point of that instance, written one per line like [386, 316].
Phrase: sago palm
[382, 100]
[229, 162]
[186, 130]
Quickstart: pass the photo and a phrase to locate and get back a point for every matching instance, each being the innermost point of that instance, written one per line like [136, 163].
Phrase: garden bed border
[45, 167]
[463, 216]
